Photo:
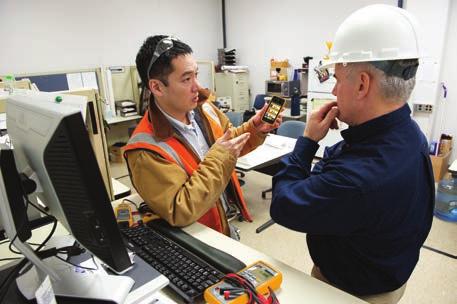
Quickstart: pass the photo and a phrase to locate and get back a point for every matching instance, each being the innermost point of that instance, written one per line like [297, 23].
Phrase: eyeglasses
[164, 45]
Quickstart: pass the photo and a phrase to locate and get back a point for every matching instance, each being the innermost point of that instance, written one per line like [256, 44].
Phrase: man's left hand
[262, 126]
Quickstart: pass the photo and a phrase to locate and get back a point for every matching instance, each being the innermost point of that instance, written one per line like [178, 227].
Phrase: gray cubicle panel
[66, 80]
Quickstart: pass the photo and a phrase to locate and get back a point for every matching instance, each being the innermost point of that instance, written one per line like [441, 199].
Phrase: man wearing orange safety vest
[182, 155]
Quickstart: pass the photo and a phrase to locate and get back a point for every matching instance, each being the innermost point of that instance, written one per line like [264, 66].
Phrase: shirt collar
[376, 125]
[179, 124]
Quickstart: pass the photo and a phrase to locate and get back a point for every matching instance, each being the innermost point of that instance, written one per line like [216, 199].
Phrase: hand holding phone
[274, 108]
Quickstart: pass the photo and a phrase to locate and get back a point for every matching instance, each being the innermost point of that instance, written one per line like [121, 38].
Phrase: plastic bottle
[446, 199]
[9, 84]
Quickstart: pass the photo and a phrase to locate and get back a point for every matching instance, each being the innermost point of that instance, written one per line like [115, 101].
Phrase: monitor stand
[138, 284]
[73, 284]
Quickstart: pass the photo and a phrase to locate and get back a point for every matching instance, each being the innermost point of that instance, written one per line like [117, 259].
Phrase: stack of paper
[274, 147]
[126, 108]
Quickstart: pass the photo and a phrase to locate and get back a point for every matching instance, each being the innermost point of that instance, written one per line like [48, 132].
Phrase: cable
[9, 259]
[4, 286]
[243, 285]
[10, 277]
[33, 244]
[38, 208]
[7, 281]
[10, 247]
[131, 202]
[87, 268]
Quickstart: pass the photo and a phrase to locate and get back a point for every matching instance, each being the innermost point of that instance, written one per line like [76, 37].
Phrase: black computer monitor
[50, 138]
[15, 187]
[11, 187]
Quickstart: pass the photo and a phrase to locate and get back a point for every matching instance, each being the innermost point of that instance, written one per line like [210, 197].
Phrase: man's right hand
[320, 121]
[233, 145]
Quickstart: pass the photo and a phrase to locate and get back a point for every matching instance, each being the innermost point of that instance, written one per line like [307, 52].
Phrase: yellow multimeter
[259, 274]
[124, 215]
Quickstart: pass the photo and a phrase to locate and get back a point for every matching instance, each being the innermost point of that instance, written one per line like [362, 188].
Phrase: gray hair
[392, 88]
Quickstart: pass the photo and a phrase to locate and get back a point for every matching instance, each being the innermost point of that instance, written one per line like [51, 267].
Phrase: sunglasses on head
[163, 45]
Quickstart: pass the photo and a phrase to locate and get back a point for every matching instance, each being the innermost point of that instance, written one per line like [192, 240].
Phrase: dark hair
[162, 66]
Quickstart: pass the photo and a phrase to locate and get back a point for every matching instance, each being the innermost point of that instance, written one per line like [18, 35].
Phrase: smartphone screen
[273, 110]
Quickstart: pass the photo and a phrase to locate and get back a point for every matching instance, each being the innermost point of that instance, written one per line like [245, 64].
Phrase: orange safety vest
[174, 151]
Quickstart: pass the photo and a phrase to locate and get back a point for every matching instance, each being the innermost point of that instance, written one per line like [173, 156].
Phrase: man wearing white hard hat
[367, 206]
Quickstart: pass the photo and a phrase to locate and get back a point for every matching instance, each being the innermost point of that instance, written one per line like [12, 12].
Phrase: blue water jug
[446, 199]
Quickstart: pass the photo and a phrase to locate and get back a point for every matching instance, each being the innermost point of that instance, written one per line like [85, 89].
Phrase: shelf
[118, 119]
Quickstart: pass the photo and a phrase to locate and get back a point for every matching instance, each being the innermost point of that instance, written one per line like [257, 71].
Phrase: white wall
[433, 22]
[263, 29]
[53, 35]
[445, 121]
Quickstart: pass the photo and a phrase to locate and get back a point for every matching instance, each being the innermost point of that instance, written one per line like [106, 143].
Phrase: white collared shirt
[191, 132]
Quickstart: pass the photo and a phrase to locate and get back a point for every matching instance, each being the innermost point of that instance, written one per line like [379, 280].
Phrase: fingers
[240, 143]
[278, 122]
[325, 108]
[329, 118]
[258, 116]
[227, 135]
[242, 138]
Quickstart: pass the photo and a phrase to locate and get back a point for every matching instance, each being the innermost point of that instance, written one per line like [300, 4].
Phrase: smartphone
[274, 108]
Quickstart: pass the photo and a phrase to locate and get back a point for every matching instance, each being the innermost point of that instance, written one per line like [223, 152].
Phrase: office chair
[236, 118]
[259, 101]
[290, 128]
[293, 129]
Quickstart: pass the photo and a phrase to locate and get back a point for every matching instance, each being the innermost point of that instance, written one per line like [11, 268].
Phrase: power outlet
[423, 108]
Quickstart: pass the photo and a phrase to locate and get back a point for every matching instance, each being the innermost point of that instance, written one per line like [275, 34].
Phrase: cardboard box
[440, 165]
[116, 153]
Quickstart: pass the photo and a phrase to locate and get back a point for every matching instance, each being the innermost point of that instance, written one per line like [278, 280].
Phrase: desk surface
[297, 287]
[274, 147]
[118, 119]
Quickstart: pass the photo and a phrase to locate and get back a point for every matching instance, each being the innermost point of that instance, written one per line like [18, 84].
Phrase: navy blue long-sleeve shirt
[367, 206]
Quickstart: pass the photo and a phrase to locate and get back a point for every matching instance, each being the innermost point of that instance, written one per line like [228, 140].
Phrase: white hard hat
[375, 33]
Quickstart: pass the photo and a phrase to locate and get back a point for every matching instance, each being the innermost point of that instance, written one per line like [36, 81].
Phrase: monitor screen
[50, 138]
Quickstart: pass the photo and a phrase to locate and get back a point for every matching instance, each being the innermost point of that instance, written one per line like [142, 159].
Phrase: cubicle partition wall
[97, 136]
[80, 82]
[122, 84]
[20, 84]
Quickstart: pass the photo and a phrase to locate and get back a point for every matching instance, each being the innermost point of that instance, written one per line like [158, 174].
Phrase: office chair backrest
[236, 118]
[291, 128]
[259, 101]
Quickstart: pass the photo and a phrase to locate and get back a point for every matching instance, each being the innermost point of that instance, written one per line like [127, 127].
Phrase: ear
[156, 87]
[364, 85]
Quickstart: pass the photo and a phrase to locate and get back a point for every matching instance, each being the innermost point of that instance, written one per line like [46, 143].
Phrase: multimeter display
[257, 274]
[123, 215]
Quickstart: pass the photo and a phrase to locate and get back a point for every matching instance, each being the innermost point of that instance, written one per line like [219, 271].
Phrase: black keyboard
[189, 275]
